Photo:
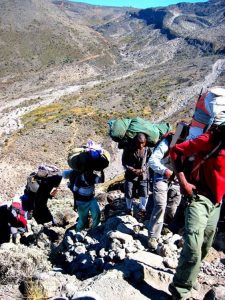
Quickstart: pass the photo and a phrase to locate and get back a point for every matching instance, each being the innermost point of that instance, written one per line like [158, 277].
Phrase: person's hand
[131, 169]
[188, 189]
[53, 192]
[168, 173]
[138, 172]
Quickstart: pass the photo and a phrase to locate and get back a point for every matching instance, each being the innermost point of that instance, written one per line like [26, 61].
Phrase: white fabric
[45, 170]
[157, 162]
[216, 107]
[217, 90]
[92, 145]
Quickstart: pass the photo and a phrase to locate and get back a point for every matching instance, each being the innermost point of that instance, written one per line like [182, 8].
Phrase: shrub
[18, 262]
[33, 290]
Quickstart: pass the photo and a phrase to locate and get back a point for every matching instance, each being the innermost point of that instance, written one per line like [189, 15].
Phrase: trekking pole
[200, 94]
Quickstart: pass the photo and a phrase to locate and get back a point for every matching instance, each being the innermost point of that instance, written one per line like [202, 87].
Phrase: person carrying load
[41, 186]
[204, 187]
[134, 160]
[83, 178]
[12, 221]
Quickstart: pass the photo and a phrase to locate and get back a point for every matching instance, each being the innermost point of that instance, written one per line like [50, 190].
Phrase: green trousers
[83, 209]
[201, 218]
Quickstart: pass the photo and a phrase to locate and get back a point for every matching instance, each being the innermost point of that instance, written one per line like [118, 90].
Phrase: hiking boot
[152, 243]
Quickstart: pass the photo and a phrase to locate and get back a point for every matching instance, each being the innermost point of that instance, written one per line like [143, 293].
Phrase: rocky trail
[111, 262]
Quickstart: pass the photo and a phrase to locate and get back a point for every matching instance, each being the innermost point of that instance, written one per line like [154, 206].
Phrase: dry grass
[18, 263]
[42, 115]
[82, 111]
[34, 291]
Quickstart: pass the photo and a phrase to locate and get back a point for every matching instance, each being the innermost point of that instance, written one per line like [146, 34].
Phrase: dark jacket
[7, 219]
[41, 213]
[132, 158]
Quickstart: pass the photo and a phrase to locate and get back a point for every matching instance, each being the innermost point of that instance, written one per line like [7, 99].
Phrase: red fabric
[22, 221]
[195, 123]
[16, 205]
[212, 179]
[201, 104]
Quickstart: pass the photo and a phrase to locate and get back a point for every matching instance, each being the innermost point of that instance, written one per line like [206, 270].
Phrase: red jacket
[212, 172]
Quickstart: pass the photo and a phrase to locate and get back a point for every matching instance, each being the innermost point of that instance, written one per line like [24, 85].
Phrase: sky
[136, 3]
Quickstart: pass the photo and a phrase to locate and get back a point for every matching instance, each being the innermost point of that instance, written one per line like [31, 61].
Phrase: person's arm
[99, 179]
[155, 160]
[125, 158]
[127, 163]
[66, 174]
[186, 187]
[54, 191]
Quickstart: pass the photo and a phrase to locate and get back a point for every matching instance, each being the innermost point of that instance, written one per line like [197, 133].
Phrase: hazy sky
[136, 3]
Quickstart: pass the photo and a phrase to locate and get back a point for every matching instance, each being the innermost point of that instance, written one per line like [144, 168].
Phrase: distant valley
[67, 68]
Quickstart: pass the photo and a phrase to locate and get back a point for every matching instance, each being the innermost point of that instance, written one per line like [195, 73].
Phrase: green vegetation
[42, 115]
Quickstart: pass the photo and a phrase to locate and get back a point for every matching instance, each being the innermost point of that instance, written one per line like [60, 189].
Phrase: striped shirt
[84, 186]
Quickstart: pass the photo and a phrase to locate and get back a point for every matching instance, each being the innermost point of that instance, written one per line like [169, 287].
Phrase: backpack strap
[207, 156]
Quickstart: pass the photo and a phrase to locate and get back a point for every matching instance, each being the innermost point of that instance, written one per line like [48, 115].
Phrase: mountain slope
[107, 63]
[153, 36]
[36, 36]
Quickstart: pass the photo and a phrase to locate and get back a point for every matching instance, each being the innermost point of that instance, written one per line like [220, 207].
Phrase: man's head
[140, 140]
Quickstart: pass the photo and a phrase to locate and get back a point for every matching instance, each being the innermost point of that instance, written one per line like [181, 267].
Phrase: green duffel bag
[122, 130]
